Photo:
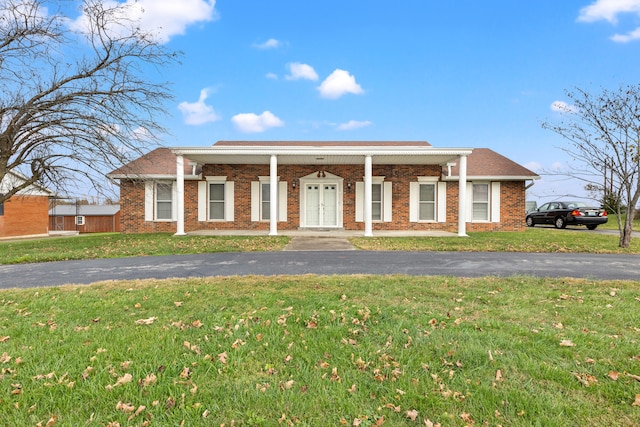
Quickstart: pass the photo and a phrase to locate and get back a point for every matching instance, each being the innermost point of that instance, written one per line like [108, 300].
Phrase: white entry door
[321, 205]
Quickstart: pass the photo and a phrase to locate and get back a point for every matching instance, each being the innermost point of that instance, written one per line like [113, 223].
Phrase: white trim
[368, 167]
[273, 192]
[495, 201]
[229, 201]
[255, 201]
[219, 178]
[149, 197]
[387, 200]
[359, 201]
[414, 201]
[202, 200]
[462, 197]
[174, 204]
[441, 201]
[282, 201]
[177, 207]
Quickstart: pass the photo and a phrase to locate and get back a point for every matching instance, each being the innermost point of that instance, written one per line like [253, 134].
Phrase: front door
[322, 205]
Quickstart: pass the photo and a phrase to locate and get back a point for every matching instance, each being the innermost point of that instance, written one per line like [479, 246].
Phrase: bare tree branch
[604, 134]
[76, 101]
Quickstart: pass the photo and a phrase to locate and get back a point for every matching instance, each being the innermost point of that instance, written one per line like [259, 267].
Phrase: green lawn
[113, 245]
[322, 351]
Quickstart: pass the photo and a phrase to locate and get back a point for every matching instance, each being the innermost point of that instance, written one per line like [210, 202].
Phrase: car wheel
[592, 226]
[530, 222]
[560, 222]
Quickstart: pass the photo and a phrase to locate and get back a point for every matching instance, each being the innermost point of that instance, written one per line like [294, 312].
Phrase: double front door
[321, 205]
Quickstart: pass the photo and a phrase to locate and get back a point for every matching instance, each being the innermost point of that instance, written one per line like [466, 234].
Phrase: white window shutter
[414, 201]
[387, 209]
[255, 201]
[282, 201]
[359, 201]
[442, 202]
[148, 200]
[229, 202]
[202, 201]
[469, 202]
[495, 202]
[174, 201]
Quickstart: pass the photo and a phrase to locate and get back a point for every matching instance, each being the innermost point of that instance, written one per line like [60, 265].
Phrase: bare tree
[604, 134]
[77, 97]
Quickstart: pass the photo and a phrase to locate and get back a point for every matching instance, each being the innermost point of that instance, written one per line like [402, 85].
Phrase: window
[376, 202]
[427, 203]
[216, 201]
[164, 201]
[480, 202]
[80, 220]
[265, 201]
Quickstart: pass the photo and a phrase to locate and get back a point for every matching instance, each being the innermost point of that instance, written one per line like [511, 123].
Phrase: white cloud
[353, 124]
[339, 83]
[533, 166]
[252, 123]
[609, 10]
[198, 113]
[164, 18]
[272, 76]
[563, 107]
[300, 71]
[625, 38]
[269, 44]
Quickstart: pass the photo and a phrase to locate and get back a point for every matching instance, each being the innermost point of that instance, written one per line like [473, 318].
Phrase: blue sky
[466, 73]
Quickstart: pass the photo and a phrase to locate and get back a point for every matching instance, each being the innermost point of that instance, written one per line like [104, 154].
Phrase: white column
[180, 201]
[462, 197]
[273, 201]
[368, 226]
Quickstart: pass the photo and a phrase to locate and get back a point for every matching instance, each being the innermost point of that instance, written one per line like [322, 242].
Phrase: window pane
[216, 210]
[376, 211]
[376, 192]
[163, 192]
[216, 192]
[265, 203]
[480, 192]
[427, 192]
[216, 201]
[481, 211]
[427, 212]
[164, 210]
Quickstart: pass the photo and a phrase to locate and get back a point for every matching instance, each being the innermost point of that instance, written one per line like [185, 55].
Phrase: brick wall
[25, 216]
[132, 200]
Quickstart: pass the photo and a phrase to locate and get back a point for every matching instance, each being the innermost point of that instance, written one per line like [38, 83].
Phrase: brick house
[365, 186]
[26, 213]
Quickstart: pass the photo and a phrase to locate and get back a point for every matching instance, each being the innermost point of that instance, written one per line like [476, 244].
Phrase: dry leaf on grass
[567, 343]
[614, 375]
[637, 401]
[412, 415]
[148, 321]
[4, 339]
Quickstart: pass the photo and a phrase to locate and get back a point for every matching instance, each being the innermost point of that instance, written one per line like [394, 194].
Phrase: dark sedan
[562, 213]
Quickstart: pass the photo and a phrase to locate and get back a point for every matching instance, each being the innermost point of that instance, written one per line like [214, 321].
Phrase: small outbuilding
[85, 218]
[25, 213]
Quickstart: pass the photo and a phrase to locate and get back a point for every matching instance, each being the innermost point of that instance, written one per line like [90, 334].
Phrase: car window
[544, 207]
[553, 206]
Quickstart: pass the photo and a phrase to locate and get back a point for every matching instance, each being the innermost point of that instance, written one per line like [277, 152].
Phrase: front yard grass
[115, 245]
[322, 351]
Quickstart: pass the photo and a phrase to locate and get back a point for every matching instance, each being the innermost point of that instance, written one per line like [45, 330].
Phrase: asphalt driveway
[464, 264]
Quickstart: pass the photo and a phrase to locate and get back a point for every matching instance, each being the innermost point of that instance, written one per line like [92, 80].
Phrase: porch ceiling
[324, 156]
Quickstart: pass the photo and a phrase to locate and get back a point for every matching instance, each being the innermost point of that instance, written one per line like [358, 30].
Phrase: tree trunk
[625, 235]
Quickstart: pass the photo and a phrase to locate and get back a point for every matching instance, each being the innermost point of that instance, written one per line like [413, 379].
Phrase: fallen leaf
[4, 339]
[178, 303]
[635, 377]
[637, 401]
[148, 321]
[614, 375]
[127, 378]
[125, 407]
[186, 372]
[567, 343]
[149, 380]
[5, 358]
[412, 415]
[352, 389]
[467, 418]
[222, 357]
[586, 379]
[499, 375]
